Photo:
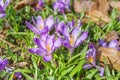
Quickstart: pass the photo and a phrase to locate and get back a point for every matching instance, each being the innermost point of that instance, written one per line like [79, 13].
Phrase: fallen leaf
[97, 17]
[115, 4]
[103, 6]
[20, 64]
[82, 5]
[110, 56]
[23, 3]
[113, 35]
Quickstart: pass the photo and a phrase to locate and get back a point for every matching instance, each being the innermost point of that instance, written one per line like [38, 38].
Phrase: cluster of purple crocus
[69, 35]
[91, 54]
[61, 6]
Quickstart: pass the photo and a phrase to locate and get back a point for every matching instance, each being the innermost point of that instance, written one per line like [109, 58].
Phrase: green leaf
[77, 68]
[27, 76]
[67, 71]
[89, 76]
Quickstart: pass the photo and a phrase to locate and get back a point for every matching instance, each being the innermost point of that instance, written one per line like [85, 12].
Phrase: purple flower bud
[3, 63]
[3, 7]
[17, 76]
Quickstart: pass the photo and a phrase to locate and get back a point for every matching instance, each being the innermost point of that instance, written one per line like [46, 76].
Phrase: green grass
[18, 38]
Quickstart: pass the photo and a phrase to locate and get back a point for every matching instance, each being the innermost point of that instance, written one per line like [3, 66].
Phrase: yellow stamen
[41, 27]
[48, 48]
[37, 6]
[71, 40]
[90, 59]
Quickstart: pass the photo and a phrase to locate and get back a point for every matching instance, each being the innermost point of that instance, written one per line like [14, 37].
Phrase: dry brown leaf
[113, 35]
[82, 5]
[103, 6]
[115, 4]
[109, 55]
[97, 17]
[23, 3]
[21, 64]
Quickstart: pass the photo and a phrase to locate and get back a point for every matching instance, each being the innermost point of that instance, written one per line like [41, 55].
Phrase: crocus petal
[57, 43]
[75, 33]
[101, 69]
[47, 58]
[50, 42]
[66, 44]
[1, 3]
[93, 50]
[40, 23]
[37, 51]
[3, 63]
[43, 37]
[33, 28]
[113, 43]
[2, 15]
[40, 43]
[71, 24]
[81, 39]
[1, 9]
[6, 3]
[60, 28]
[66, 33]
[102, 43]
[88, 54]
[87, 66]
[49, 22]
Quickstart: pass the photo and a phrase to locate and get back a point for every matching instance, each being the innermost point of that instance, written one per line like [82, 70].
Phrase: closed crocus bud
[3, 7]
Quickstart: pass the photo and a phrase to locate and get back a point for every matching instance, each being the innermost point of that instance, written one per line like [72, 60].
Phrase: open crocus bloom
[111, 44]
[3, 7]
[91, 57]
[46, 45]
[41, 26]
[3, 63]
[72, 38]
[61, 6]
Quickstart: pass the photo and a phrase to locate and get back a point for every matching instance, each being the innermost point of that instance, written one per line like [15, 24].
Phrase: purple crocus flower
[39, 5]
[72, 38]
[61, 6]
[41, 26]
[3, 7]
[111, 44]
[46, 45]
[17, 76]
[91, 57]
[3, 63]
